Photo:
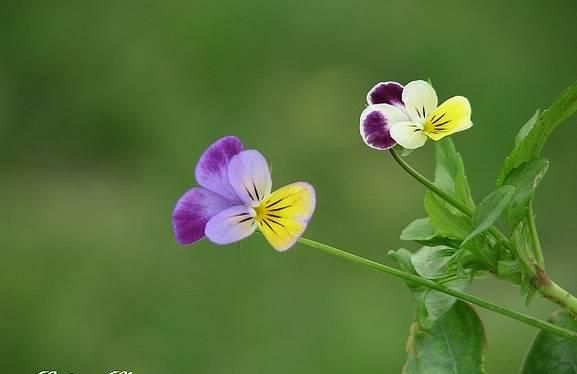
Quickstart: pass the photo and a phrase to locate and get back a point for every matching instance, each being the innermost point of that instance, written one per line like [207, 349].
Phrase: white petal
[409, 135]
[420, 100]
[249, 176]
[231, 225]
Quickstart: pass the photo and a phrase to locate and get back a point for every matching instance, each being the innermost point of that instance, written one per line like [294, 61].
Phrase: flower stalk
[531, 321]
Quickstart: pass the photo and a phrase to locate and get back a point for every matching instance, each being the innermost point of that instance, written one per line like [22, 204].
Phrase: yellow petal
[283, 216]
[452, 116]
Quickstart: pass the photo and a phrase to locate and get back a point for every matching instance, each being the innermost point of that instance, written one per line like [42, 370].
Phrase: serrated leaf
[455, 344]
[432, 262]
[446, 220]
[450, 172]
[525, 178]
[550, 353]
[490, 209]
[530, 146]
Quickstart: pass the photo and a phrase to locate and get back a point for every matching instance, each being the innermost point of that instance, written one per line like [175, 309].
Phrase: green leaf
[432, 262]
[531, 144]
[525, 178]
[438, 303]
[550, 353]
[450, 172]
[446, 220]
[421, 231]
[455, 344]
[490, 210]
[527, 127]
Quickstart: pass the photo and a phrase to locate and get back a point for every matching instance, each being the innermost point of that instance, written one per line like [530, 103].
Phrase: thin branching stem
[348, 256]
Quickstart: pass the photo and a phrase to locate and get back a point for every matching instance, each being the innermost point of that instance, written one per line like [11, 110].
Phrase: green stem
[543, 325]
[558, 295]
[430, 185]
[538, 252]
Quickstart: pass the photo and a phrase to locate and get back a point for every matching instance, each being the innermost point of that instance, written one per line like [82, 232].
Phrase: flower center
[260, 212]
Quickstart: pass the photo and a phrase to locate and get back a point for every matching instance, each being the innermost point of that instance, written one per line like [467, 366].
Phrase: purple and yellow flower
[234, 199]
[409, 115]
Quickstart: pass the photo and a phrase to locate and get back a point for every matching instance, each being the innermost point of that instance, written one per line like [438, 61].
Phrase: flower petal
[193, 210]
[285, 214]
[375, 125]
[231, 225]
[249, 177]
[212, 169]
[452, 116]
[420, 100]
[386, 93]
[409, 135]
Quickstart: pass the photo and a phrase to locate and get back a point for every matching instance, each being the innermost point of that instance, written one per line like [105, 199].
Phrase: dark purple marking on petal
[386, 93]
[376, 131]
[212, 168]
[193, 210]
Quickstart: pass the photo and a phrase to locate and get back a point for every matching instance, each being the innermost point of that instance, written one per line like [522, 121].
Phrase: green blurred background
[106, 105]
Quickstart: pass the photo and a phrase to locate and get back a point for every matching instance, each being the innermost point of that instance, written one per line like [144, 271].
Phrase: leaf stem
[540, 324]
[538, 251]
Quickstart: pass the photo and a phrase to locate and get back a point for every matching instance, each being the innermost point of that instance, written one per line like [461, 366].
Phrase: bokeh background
[106, 105]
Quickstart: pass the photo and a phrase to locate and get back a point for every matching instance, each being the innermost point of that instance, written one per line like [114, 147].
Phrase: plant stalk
[540, 324]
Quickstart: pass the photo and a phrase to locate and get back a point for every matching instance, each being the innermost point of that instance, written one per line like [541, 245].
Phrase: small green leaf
[419, 229]
[402, 257]
[438, 303]
[455, 344]
[447, 221]
[527, 127]
[550, 353]
[490, 210]
[432, 262]
[531, 144]
[525, 178]
[450, 172]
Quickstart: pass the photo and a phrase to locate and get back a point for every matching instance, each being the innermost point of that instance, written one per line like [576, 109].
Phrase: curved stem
[540, 324]
[430, 185]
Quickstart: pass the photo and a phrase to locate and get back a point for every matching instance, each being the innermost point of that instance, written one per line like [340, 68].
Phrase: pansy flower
[409, 115]
[234, 199]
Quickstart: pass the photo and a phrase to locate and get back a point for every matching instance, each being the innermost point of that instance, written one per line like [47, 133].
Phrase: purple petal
[376, 121]
[386, 93]
[193, 210]
[231, 225]
[249, 176]
[212, 169]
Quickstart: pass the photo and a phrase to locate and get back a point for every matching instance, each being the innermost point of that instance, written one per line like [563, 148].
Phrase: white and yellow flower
[410, 121]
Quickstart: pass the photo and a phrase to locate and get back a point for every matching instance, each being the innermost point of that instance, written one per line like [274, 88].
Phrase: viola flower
[234, 199]
[409, 115]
